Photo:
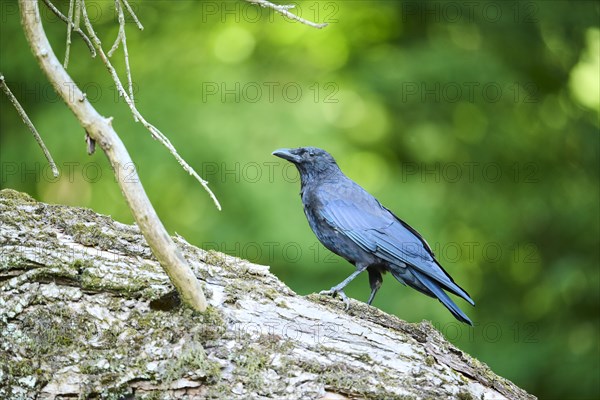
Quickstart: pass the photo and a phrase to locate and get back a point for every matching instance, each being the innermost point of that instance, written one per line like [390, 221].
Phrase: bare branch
[128, 71]
[70, 25]
[283, 10]
[121, 37]
[29, 124]
[135, 18]
[75, 27]
[121, 33]
[155, 132]
[101, 131]
[77, 13]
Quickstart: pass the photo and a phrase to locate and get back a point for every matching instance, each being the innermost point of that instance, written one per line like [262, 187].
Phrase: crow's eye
[311, 153]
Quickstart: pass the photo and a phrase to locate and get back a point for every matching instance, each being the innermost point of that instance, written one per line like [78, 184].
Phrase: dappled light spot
[328, 51]
[585, 79]
[281, 34]
[430, 142]
[366, 168]
[348, 112]
[373, 127]
[466, 36]
[233, 45]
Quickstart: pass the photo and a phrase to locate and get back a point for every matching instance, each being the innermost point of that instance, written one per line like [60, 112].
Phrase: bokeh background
[476, 122]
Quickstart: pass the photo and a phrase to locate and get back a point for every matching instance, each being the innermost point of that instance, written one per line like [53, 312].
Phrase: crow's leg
[339, 289]
[375, 281]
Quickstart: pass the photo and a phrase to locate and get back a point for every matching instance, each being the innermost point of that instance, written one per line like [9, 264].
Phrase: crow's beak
[286, 154]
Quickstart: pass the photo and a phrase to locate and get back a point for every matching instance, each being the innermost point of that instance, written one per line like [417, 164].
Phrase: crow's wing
[376, 230]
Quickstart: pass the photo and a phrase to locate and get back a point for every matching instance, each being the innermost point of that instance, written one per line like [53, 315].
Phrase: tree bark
[86, 311]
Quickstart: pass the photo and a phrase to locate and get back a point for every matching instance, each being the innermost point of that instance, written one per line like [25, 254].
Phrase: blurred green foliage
[476, 122]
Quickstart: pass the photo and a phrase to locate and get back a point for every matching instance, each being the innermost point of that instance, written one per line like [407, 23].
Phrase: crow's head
[310, 161]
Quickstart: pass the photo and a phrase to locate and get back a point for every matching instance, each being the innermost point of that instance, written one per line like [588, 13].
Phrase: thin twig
[121, 33]
[76, 29]
[29, 124]
[77, 14]
[128, 72]
[283, 10]
[155, 132]
[135, 18]
[122, 38]
[70, 25]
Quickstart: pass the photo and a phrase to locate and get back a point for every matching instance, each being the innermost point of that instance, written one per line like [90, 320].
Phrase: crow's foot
[337, 292]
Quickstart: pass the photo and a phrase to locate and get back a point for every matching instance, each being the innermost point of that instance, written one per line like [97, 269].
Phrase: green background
[476, 122]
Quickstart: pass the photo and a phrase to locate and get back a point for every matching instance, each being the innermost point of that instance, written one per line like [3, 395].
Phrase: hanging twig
[155, 132]
[135, 18]
[122, 38]
[128, 71]
[70, 25]
[121, 32]
[29, 124]
[77, 17]
[283, 10]
[75, 28]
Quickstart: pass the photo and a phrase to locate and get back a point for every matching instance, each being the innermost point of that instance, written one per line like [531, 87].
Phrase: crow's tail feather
[435, 290]
[452, 287]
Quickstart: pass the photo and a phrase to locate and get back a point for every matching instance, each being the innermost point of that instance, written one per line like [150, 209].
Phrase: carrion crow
[354, 225]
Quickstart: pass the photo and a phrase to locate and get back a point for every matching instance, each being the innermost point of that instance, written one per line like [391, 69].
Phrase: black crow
[354, 225]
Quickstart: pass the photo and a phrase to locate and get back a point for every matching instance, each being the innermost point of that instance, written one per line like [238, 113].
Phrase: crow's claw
[337, 292]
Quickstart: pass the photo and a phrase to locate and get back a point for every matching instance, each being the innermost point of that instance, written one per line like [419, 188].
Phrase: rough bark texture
[76, 321]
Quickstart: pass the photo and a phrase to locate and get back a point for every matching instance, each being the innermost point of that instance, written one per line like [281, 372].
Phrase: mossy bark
[76, 322]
